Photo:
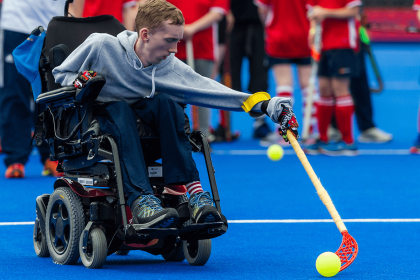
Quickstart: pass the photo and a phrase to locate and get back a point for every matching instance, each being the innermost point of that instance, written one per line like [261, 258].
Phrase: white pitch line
[324, 221]
[279, 221]
[384, 152]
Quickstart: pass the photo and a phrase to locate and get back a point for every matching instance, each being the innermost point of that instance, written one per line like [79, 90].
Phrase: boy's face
[163, 42]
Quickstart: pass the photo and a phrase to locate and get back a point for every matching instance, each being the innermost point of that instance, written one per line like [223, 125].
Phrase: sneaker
[202, 209]
[16, 170]
[314, 149]
[273, 138]
[416, 148]
[50, 169]
[334, 135]
[339, 149]
[260, 130]
[221, 135]
[148, 212]
[374, 135]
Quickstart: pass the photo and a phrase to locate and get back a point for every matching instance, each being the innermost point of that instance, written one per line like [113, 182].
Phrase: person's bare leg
[344, 107]
[304, 72]
[284, 80]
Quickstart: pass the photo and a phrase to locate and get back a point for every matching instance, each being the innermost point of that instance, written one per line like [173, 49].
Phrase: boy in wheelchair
[144, 79]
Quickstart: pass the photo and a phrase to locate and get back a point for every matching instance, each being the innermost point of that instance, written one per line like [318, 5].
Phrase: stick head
[348, 250]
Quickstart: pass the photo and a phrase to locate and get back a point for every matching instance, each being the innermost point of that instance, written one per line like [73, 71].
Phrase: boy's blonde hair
[152, 13]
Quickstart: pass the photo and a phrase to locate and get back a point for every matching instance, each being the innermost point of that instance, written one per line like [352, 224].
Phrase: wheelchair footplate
[202, 231]
[137, 234]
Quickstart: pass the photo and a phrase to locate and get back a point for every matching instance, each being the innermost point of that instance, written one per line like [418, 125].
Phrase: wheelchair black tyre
[64, 224]
[97, 247]
[40, 245]
[122, 252]
[176, 255]
[197, 252]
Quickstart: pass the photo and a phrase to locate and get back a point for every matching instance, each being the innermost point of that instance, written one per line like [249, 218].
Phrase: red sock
[285, 91]
[344, 109]
[324, 113]
[194, 187]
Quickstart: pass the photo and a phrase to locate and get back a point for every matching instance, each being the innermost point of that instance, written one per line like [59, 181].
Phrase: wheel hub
[59, 227]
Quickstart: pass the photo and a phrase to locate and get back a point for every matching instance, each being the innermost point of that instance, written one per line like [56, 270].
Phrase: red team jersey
[111, 7]
[204, 41]
[337, 33]
[286, 27]
[416, 5]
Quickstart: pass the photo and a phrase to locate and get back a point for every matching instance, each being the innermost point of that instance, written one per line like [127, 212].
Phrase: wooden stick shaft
[322, 193]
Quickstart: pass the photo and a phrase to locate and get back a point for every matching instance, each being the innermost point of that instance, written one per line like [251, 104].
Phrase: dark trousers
[247, 40]
[359, 89]
[167, 118]
[16, 117]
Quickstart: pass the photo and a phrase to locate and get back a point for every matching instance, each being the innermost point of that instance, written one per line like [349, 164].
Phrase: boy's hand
[318, 14]
[287, 120]
[83, 78]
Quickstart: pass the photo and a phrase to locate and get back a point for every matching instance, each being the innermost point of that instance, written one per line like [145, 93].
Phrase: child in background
[337, 65]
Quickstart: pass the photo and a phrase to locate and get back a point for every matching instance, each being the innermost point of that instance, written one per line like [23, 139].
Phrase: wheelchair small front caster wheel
[40, 244]
[197, 252]
[176, 255]
[96, 251]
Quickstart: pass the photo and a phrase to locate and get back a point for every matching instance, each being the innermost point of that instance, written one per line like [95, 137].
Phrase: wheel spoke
[66, 222]
[55, 240]
[60, 208]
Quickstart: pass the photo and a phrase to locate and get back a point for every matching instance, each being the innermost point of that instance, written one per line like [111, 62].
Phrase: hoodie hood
[127, 40]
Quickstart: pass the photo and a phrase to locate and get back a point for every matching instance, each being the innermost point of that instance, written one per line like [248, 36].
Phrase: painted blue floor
[253, 188]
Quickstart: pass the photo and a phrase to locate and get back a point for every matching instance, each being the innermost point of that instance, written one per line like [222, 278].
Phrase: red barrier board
[393, 25]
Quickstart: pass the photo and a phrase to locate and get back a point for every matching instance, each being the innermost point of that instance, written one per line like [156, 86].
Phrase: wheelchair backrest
[65, 34]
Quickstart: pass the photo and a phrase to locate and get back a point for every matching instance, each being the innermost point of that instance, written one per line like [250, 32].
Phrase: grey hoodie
[126, 78]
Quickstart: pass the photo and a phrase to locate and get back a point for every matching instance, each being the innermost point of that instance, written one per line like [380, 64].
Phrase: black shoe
[202, 209]
[148, 212]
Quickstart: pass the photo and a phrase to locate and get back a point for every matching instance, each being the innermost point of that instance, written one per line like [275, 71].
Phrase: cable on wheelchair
[76, 128]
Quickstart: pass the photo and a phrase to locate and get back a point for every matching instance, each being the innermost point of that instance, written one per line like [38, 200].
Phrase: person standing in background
[338, 64]
[286, 43]
[123, 10]
[247, 40]
[201, 17]
[17, 114]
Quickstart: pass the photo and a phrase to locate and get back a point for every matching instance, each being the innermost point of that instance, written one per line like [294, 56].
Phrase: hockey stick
[190, 62]
[366, 41]
[348, 248]
[316, 49]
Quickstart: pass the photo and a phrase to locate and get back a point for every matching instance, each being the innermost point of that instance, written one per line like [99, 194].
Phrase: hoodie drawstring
[153, 82]
[153, 77]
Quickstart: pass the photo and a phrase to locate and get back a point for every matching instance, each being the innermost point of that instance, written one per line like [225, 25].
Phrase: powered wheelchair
[86, 216]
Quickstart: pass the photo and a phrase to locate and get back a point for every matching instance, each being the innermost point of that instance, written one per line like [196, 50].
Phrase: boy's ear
[144, 34]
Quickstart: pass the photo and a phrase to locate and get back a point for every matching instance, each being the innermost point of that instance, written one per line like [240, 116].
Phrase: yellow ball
[328, 264]
[275, 152]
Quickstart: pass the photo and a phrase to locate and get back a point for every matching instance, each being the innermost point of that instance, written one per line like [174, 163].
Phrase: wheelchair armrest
[91, 89]
[54, 95]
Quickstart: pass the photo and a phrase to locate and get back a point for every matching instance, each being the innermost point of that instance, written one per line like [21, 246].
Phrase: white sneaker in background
[374, 135]
[334, 135]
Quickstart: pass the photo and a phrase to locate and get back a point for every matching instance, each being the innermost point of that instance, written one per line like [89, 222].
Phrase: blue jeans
[16, 118]
[167, 118]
